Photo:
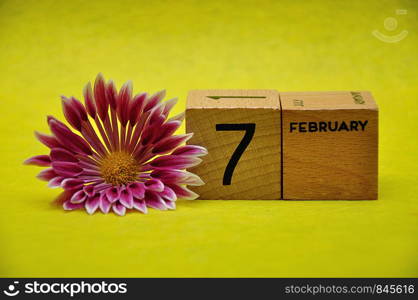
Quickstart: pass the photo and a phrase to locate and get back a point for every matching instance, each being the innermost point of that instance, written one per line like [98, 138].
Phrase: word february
[330, 126]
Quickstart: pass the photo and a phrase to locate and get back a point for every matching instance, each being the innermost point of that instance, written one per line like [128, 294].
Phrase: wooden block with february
[241, 131]
[330, 145]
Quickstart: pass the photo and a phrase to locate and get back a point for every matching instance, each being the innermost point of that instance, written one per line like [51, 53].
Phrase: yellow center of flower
[119, 168]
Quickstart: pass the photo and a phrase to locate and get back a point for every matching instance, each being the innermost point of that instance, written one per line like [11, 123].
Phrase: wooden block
[241, 130]
[330, 145]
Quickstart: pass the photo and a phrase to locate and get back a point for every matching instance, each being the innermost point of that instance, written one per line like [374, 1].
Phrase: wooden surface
[257, 174]
[329, 164]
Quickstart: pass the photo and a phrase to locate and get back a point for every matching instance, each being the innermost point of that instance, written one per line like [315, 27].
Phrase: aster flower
[124, 156]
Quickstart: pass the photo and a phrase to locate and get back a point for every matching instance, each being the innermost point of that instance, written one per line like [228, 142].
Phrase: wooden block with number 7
[242, 133]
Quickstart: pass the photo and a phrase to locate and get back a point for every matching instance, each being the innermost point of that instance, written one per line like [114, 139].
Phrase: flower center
[119, 168]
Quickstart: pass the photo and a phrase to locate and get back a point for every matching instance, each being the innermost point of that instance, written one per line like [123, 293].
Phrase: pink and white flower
[124, 157]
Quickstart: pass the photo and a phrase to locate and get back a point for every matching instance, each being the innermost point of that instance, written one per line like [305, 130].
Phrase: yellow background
[49, 48]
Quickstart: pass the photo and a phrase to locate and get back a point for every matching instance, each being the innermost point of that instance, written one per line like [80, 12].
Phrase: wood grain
[258, 172]
[326, 164]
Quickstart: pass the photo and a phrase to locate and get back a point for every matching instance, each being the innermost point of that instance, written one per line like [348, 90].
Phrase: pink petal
[190, 150]
[156, 117]
[154, 100]
[113, 194]
[71, 206]
[79, 108]
[154, 185]
[111, 94]
[102, 103]
[46, 174]
[89, 190]
[92, 204]
[175, 162]
[68, 138]
[135, 107]
[124, 97]
[67, 169]
[180, 117]
[153, 200]
[177, 176]
[168, 194]
[183, 192]
[168, 144]
[104, 204]
[78, 197]
[71, 115]
[168, 105]
[149, 134]
[169, 175]
[89, 101]
[55, 182]
[191, 179]
[47, 140]
[39, 160]
[170, 204]
[126, 198]
[60, 154]
[167, 129]
[137, 189]
[140, 205]
[119, 209]
[71, 183]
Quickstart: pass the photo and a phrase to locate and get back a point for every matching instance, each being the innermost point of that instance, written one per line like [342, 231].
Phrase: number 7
[249, 133]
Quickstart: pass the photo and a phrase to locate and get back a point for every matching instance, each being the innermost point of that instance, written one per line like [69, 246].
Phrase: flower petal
[92, 204]
[190, 150]
[177, 177]
[168, 194]
[104, 203]
[183, 192]
[60, 154]
[111, 94]
[167, 129]
[70, 113]
[137, 189]
[71, 183]
[89, 101]
[55, 182]
[67, 169]
[140, 205]
[79, 108]
[135, 107]
[191, 179]
[113, 194]
[78, 197]
[47, 140]
[46, 174]
[170, 204]
[124, 97]
[119, 209]
[168, 105]
[153, 200]
[89, 190]
[180, 117]
[169, 143]
[68, 138]
[175, 161]
[39, 160]
[154, 185]
[126, 198]
[154, 100]
[100, 98]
